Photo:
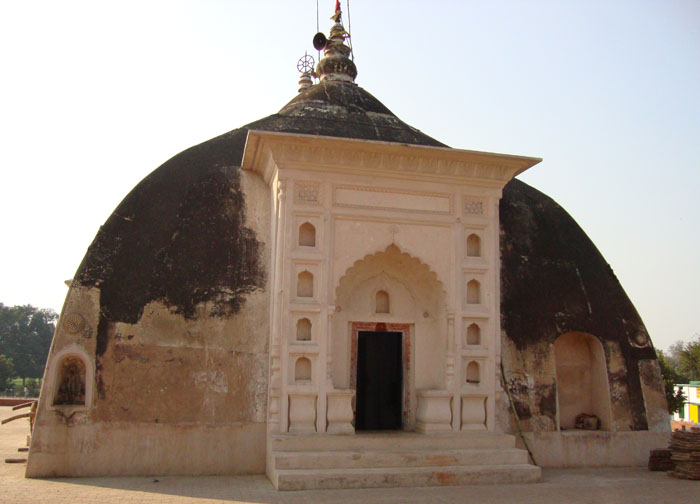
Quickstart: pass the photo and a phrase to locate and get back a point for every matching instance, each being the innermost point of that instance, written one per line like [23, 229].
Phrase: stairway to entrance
[396, 459]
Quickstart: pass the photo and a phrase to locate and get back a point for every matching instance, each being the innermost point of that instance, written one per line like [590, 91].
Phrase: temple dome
[180, 262]
[344, 109]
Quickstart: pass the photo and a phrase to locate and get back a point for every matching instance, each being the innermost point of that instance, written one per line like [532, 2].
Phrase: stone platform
[572, 486]
[396, 459]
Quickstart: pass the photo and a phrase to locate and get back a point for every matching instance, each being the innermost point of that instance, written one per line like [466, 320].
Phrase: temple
[333, 298]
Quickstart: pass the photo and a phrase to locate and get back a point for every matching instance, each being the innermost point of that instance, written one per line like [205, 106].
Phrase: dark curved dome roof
[180, 237]
[330, 108]
[336, 108]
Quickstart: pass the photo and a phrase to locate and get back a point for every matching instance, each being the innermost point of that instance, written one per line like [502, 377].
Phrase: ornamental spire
[335, 64]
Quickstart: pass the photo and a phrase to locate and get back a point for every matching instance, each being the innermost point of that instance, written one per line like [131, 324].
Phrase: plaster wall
[168, 391]
[531, 376]
[594, 448]
[654, 396]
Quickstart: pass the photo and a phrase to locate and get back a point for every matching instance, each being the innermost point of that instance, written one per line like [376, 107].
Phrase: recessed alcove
[71, 380]
[381, 302]
[473, 245]
[302, 370]
[473, 292]
[307, 235]
[582, 379]
[472, 373]
[305, 285]
[303, 332]
[473, 334]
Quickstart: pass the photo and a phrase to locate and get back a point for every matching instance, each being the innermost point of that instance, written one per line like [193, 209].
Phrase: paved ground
[561, 486]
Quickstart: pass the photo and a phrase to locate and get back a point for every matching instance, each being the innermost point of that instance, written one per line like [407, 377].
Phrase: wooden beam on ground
[23, 405]
[16, 417]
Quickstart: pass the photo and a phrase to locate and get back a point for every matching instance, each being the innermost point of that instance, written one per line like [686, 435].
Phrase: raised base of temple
[396, 459]
[576, 448]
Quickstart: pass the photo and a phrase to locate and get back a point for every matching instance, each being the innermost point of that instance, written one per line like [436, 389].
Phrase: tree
[7, 372]
[689, 359]
[673, 355]
[25, 337]
[674, 399]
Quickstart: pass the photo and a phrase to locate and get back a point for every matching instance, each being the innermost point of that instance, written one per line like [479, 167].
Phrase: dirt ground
[560, 486]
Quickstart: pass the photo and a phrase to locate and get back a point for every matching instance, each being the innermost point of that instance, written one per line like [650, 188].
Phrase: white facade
[374, 236]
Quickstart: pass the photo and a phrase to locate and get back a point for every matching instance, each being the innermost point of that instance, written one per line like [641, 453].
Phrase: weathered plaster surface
[147, 448]
[174, 295]
[654, 397]
[594, 448]
[531, 379]
[181, 363]
[555, 281]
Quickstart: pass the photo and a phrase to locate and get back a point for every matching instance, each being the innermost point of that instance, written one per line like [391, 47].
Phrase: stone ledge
[594, 448]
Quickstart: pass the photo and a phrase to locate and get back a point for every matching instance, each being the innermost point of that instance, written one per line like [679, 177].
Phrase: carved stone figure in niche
[71, 382]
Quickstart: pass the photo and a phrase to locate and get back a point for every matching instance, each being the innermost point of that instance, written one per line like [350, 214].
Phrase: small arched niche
[473, 292]
[582, 379]
[70, 387]
[473, 245]
[307, 235]
[381, 302]
[473, 334]
[305, 285]
[473, 373]
[303, 329]
[302, 370]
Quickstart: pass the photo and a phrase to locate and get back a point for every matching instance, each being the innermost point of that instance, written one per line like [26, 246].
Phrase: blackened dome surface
[179, 237]
[554, 280]
[342, 109]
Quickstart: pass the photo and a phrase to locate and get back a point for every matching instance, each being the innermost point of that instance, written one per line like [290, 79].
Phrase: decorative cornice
[265, 151]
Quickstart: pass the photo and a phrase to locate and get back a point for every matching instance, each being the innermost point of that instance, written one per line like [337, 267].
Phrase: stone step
[309, 479]
[397, 458]
[390, 441]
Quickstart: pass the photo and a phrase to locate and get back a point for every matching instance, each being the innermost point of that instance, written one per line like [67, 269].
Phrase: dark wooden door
[379, 381]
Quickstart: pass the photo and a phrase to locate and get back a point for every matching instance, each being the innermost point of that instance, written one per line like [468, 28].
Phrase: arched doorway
[389, 303]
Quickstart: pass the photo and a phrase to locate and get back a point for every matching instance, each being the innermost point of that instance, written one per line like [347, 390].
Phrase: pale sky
[95, 95]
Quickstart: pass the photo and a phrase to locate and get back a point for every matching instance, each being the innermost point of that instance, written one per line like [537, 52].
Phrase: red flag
[336, 17]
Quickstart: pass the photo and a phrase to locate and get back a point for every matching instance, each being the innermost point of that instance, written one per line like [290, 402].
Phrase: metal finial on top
[336, 64]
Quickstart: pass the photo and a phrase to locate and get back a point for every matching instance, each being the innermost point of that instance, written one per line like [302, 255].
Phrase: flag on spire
[337, 16]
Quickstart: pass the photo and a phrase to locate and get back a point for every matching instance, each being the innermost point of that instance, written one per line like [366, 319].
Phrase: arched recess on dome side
[70, 375]
[418, 307]
[582, 379]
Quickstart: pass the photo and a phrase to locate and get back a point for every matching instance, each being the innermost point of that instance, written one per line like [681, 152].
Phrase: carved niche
[70, 386]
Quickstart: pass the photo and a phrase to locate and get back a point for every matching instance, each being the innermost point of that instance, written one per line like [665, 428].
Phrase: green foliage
[7, 372]
[33, 386]
[684, 358]
[674, 399]
[689, 359]
[25, 337]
